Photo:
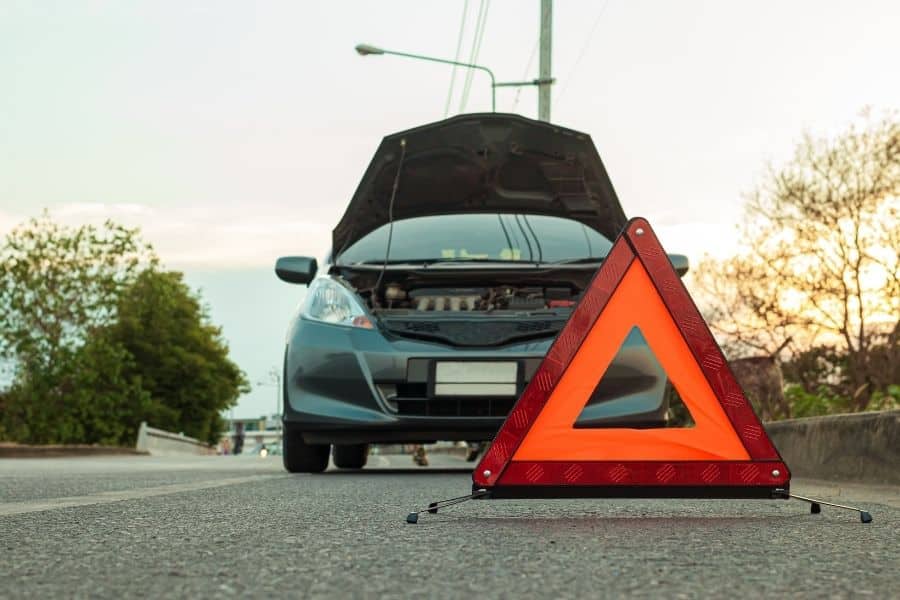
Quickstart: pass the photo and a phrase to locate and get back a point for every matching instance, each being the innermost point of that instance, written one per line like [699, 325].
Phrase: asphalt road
[221, 526]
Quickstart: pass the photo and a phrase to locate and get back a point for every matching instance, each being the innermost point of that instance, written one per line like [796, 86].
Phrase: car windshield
[480, 237]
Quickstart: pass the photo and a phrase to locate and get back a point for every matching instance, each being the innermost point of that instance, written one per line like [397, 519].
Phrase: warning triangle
[547, 446]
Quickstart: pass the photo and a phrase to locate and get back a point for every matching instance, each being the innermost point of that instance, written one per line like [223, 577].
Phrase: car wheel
[351, 456]
[300, 457]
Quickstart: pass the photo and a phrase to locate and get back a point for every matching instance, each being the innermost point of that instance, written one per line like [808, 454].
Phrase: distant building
[260, 430]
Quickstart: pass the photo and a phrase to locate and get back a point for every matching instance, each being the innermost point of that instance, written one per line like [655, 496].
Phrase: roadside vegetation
[100, 338]
[816, 287]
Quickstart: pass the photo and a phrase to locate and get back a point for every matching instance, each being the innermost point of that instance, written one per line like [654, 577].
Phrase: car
[458, 260]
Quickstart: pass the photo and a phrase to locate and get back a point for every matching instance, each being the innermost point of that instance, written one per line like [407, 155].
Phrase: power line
[527, 71]
[473, 55]
[584, 48]
[476, 48]
[468, 80]
[462, 31]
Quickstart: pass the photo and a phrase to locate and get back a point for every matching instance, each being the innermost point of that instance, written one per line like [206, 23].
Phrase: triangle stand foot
[815, 507]
[413, 517]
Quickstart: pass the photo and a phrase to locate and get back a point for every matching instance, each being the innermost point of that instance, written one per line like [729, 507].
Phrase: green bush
[823, 401]
[812, 404]
[87, 399]
[886, 400]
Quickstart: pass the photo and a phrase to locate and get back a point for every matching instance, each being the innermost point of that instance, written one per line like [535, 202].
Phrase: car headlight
[330, 302]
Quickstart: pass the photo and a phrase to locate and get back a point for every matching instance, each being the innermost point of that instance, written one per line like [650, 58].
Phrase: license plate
[475, 378]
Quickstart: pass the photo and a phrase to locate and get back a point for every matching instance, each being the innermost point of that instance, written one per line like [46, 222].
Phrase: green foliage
[889, 399]
[813, 404]
[59, 287]
[4, 401]
[821, 381]
[180, 358]
[57, 283]
[823, 401]
[101, 340]
[822, 386]
[87, 398]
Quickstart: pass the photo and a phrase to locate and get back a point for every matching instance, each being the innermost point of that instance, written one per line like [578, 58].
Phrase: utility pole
[545, 75]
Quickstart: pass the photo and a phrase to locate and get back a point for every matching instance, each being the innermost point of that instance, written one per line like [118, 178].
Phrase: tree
[58, 283]
[59, 287]
[101, 340]
[820, 267]
[179, 356]
[91, 397]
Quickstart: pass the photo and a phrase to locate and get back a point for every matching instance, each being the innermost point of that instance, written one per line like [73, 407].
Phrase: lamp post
[275, 379]
[367, 50]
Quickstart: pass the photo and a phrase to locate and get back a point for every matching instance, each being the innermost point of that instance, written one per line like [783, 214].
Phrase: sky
[235, 132]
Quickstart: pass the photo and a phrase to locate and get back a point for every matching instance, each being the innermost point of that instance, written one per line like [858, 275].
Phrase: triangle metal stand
[815, 505]
[433, 507]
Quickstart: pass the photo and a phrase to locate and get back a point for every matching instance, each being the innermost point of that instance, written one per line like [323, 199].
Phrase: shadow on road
[400, 471]
[565, 521]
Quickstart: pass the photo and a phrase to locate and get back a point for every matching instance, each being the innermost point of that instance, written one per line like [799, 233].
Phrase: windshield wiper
[375, 261]
[441, 261]
[508, 261]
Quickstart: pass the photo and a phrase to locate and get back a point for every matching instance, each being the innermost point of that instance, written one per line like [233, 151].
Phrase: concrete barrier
[157, 442]
[863, 447]
[9, 450]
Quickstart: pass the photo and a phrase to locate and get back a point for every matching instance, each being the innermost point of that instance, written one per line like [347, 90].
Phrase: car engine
[476, 299]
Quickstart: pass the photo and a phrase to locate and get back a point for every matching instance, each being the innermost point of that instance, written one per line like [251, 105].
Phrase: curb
[64, 451]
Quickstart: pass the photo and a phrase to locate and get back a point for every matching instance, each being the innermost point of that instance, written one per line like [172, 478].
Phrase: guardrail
[157, 442]
[862, 447]
[10, 450]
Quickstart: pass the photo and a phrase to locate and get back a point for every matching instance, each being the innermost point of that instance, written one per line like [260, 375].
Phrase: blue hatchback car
[458, 260]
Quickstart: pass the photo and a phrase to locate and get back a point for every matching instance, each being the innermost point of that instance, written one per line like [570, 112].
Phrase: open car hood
[489, 162]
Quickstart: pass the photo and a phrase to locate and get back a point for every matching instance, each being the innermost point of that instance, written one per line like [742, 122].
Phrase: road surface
[240, 526]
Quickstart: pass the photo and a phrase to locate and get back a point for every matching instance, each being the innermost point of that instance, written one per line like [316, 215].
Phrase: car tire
[351, 456]
[300, 457]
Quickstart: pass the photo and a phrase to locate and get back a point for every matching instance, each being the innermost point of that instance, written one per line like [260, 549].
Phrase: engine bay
[483, 299]
[456, 292]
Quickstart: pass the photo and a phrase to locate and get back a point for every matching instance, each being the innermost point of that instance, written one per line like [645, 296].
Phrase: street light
[367, 49]
[275, 376]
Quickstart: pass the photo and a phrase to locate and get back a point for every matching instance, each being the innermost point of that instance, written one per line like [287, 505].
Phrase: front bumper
[351, 385]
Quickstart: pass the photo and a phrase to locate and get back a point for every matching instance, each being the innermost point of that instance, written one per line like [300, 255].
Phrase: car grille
[410, 400]
[454, 407]
[475, 332]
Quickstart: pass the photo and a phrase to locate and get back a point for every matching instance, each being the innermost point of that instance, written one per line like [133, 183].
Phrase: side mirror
[296, 269]
[680, 263]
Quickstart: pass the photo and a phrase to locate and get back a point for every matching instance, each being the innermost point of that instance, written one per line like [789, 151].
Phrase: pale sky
[235, 132]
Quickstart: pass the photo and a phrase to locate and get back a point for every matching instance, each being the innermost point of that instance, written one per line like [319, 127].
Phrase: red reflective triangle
[538, 449]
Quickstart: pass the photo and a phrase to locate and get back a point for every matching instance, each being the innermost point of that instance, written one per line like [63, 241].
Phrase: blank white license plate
[474, 378]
